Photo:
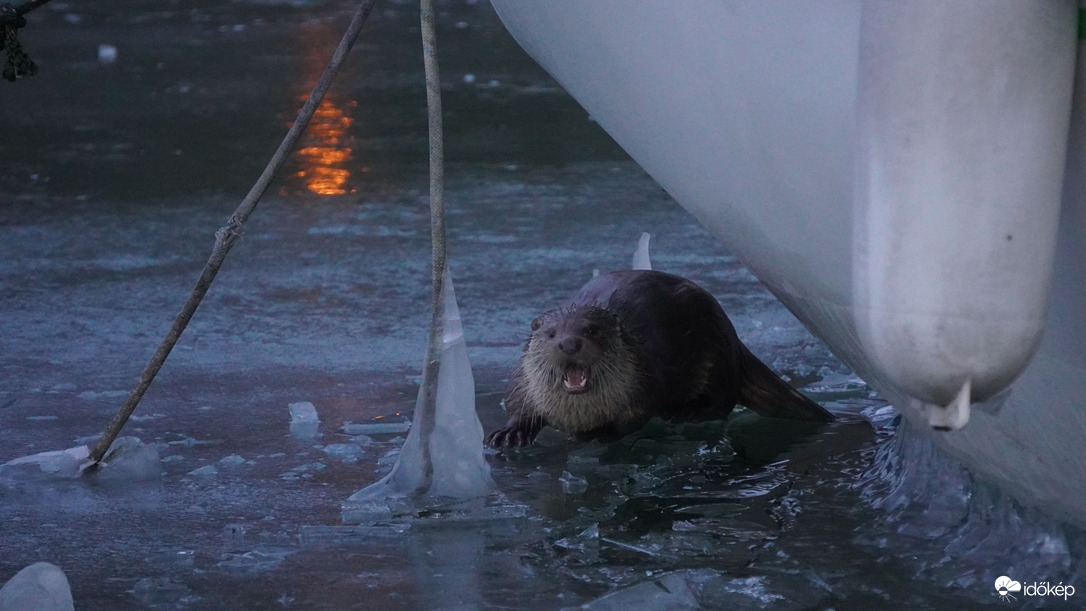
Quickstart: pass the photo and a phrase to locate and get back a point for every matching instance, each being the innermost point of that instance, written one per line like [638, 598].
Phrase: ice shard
[443, 454]
[641, 255]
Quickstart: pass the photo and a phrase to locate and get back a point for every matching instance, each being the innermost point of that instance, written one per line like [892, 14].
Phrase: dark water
[115, 178]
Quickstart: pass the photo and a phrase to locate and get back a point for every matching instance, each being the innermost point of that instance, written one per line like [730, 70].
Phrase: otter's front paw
[516, 434]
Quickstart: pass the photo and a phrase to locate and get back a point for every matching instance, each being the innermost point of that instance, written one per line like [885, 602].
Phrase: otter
[631, 345]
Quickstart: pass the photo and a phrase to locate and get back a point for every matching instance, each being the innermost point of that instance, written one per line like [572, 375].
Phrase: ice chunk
[129, 460]
[347, 452]
[233, 460]
[56, 464]
[208, 471]
[303, 412]
[443, 453]
[641, 256]
[572, 484]
[361, 440]
[40, 586]
[303, 420]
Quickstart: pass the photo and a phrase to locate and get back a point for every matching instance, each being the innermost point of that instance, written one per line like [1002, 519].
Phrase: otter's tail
[764, 392]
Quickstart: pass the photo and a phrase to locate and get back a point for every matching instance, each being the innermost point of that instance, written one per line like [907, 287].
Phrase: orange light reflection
[324, 161]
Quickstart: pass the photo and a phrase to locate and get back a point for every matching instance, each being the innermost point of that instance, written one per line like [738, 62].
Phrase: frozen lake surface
[116, 176]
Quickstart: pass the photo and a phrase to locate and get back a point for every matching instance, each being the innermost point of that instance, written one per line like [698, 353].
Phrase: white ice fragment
[304, 421]
[573, 484]
[469, 78]
[40, 586]
[234, 460]
[347, 452]
[303, 412]
[206, 471]
[641, 255]
[56, 464]
[107, 54]
[443, 453]
[376, 428]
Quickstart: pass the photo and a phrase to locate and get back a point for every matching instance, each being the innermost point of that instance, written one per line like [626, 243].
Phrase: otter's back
[687, 347]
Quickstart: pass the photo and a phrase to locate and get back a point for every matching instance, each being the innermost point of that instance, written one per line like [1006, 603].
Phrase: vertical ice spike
[641, 256]
[454, 466]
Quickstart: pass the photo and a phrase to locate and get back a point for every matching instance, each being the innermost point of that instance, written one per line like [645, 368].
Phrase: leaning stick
[227, 235]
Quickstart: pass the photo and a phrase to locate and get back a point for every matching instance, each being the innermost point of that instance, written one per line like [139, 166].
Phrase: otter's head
[579, 367]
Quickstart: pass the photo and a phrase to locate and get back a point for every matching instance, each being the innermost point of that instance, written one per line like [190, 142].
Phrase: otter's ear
[536, 324]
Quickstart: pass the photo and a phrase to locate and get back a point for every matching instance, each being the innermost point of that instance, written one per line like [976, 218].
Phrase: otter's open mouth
[575, 379]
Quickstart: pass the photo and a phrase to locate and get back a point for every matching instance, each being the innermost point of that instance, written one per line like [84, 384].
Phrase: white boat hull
[893, 173]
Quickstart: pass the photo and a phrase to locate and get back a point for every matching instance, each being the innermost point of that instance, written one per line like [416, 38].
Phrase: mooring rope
[226, 236]
[428, 406]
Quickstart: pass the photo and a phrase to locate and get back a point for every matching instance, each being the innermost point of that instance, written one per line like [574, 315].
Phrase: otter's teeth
[575, 377]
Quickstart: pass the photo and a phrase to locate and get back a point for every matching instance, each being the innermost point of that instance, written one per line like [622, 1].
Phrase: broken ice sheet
[670, 591]
[128, 459]
[442, 457]
[52, 465]
[259, 559]
[573, 484]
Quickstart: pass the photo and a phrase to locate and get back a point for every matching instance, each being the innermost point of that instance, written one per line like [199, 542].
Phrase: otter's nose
[570, 345]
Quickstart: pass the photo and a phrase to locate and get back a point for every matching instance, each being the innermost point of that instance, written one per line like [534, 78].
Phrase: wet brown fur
[653, 344]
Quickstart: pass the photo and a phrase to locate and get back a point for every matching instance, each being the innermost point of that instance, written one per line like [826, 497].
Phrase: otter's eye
[551, 333]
